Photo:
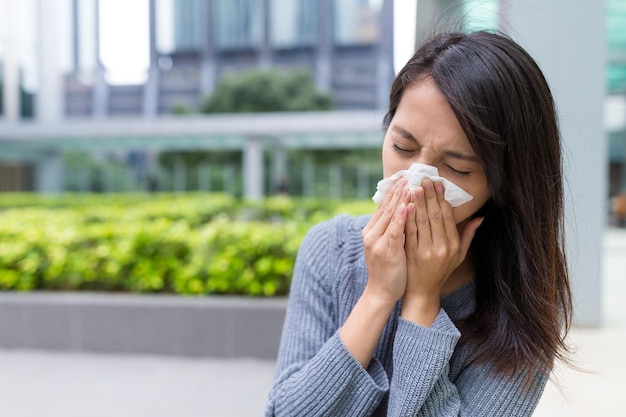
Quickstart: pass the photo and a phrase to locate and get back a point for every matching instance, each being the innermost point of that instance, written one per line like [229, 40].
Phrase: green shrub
[197, 243]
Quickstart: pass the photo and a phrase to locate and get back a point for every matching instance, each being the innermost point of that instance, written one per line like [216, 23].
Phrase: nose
[425, 157]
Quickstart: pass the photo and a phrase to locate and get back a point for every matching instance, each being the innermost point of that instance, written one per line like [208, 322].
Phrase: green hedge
[191, 243]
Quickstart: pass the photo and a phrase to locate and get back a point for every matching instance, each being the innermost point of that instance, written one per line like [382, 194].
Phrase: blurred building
[616, 89]
[347, 45]
[19, 83]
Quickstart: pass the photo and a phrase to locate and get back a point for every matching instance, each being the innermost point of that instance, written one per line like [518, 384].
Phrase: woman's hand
[383, 241]
[434, 249]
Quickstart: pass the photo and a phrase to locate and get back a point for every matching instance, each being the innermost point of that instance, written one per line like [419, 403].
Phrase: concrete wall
[568, 41]
[225, 327]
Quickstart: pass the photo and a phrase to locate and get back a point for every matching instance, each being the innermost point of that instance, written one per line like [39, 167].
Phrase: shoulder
[327, 250]
[332, 243]
[342, 231]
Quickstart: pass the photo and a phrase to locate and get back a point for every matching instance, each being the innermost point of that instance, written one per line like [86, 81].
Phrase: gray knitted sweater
[415, 371]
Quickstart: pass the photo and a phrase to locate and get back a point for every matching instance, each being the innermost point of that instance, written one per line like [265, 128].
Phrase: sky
[124, 36]
[124, 39]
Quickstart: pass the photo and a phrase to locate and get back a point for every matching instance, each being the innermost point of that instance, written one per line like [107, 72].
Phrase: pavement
[58, 384]
[596, 389]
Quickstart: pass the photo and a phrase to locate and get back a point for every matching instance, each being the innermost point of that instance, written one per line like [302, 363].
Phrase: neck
[462, 275]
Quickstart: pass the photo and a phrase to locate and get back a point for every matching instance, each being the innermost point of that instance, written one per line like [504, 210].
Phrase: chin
[461, 217]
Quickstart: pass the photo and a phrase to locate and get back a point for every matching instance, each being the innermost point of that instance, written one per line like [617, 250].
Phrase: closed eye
[402, 150]
[457, 172]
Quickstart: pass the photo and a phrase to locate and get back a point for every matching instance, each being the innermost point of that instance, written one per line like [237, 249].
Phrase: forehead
[425, 114]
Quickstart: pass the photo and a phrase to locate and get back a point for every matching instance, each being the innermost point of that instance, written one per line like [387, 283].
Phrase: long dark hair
[503, 102]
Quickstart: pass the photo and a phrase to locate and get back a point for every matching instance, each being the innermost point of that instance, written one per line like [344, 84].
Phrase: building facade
[347, 45]
[616, 90]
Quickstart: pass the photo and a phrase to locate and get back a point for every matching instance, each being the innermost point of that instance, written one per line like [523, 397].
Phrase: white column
[568, 41]
[49, 174]
[385, 57]
[151, 88]
[49, 101]
[11, 78]
[101, 88]
[253, 168]
[429, 15]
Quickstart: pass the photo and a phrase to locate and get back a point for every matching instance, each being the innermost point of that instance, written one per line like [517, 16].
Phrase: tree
[266, 91]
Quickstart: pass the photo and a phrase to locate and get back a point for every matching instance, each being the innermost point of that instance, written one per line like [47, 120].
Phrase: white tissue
[416, 173]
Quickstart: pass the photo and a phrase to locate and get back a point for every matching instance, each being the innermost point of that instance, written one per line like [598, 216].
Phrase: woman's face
[424, 129]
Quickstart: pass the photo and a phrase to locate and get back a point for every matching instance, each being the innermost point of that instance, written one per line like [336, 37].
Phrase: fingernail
[439, 187]
[402, 209]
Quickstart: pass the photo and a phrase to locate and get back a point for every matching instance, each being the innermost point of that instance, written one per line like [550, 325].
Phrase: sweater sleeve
[421, 386]
[316, 375]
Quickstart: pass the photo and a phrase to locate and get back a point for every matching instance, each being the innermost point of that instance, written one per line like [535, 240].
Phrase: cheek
[463, 212]
[467, 210]
[391, 164]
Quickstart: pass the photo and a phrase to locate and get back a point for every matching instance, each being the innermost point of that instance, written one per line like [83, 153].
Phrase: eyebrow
[405, 134]
[460, 156]
[449, 153]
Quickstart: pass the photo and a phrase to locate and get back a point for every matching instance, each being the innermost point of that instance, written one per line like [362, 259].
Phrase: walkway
[83, 385]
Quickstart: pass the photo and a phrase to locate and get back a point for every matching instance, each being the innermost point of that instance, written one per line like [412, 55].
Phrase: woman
[424, 309]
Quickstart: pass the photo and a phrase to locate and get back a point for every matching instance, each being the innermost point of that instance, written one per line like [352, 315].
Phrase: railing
[260, 152]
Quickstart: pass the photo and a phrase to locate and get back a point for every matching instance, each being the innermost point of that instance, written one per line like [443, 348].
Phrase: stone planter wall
[228, 327]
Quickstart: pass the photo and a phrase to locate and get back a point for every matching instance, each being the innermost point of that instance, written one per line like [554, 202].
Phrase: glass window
[356, 21]
[24, 63]
[188, 19]
[616, 46]
[481, 14]
[86, 37]
[28, 59]
[616, 77]
[165, 26]
[294, 23]
[238, 24]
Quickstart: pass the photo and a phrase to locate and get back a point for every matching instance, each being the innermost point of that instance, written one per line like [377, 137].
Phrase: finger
[421, 218]
[437, 228]
[395, 231]
[410, 234]
[468, 233]
[381, 207]
[449, 224]
[387, 210]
